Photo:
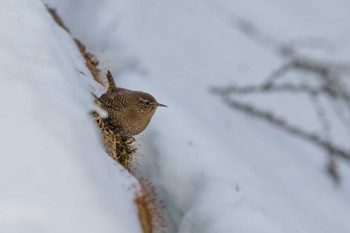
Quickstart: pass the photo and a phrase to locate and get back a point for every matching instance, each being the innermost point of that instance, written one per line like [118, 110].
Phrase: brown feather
[128, 111]
[111, 84]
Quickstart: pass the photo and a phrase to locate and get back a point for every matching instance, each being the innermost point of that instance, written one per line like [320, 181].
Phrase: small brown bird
[128, 111]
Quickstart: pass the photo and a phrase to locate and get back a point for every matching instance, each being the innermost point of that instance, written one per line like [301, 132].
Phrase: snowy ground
[54, 176]
[215, 169]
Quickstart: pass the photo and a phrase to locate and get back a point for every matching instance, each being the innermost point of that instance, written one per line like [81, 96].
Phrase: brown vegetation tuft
[90, 59]
[152, 213]
[57, 18]
[120, 148]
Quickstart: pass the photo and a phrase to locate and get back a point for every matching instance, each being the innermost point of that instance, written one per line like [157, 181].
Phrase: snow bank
[54, 176]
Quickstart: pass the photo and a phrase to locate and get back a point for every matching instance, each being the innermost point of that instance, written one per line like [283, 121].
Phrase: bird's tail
[111, 84]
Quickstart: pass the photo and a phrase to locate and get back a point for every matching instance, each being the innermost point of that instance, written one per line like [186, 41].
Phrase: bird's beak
[161, 105]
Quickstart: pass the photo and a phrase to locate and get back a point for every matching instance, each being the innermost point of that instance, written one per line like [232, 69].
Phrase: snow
[215, 169]
[54, 175]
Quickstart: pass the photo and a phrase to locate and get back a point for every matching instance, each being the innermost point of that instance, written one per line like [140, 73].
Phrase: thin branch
[282, 124]
[277, 74]
[286, 87]
[341, 114]
[322, 116]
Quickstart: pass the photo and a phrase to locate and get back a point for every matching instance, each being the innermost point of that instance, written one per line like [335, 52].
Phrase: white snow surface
[54, 175]
[216, 170]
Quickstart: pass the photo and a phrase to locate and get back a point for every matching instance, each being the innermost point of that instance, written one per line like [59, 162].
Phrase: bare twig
[332, 170]
[322, 116]
[285, 87]
[282, 124]
[341, 113]
[329, 75]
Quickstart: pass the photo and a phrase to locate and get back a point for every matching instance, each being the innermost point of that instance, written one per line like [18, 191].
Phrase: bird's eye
[147, 103]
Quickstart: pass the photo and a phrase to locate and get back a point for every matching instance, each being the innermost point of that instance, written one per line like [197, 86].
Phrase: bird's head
[141, 111]
[147, 103]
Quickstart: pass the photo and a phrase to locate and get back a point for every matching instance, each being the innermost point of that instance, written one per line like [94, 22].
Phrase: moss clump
[119, 147]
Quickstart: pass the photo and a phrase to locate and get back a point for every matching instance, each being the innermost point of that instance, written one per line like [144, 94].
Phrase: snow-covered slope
[54, 175]
[215, 169]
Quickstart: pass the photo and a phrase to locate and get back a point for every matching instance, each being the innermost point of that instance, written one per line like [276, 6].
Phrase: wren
[129, 112]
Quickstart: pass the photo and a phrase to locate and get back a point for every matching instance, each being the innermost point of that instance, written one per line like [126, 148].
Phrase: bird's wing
[114, 101]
